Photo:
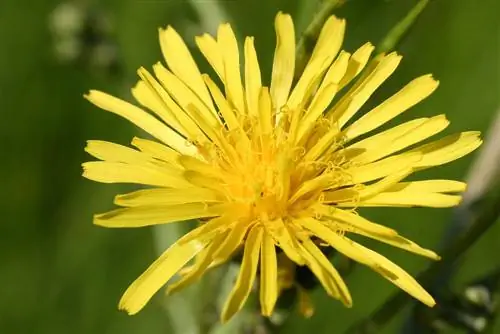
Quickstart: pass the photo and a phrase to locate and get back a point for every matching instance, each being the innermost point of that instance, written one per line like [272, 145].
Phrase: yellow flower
[271, 170]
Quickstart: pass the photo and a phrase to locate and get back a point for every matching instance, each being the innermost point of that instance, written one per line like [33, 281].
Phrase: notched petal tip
[91, 95]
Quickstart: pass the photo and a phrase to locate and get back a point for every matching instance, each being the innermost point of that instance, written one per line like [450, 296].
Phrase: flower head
[272, 170]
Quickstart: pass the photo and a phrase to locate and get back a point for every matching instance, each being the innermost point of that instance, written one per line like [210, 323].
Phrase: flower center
[269, 175]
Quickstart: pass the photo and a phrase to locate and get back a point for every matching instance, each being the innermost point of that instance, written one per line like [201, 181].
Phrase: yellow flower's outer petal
[253, 81]
[142, 119]
[383, 138]
[351, 194]
[357, 63]
[350, 104]
[397, 275]
[407, 97]
[409, 199]
[185, 97]
[246, 277]
[154, 100]
[213, 226]
[199, 268]
[342, 292]
[377, 262]
[153, 215]
[345, 220]
[283, 238]
[284, 60]
[210, 49]
[427, 186]
[325, 278]
[180, 61]
[233, 241]
[268, 276]
[327, 47]
[382, 168]
[448, 149]
[112, 152]
[195, 165]
[231, 58]
[425, 130]
[166, 266]
[117, 172]
[166, 196]
[316, 109]
[265, 108]
[224, 108]
[171, 112]
[336, 71]
[403, 243]
[157, 150]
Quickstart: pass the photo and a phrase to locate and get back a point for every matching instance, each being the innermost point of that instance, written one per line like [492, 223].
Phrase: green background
[61, 274]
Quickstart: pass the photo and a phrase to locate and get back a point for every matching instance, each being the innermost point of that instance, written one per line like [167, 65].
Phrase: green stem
[310, 35]
[397, 33]
[487, 213]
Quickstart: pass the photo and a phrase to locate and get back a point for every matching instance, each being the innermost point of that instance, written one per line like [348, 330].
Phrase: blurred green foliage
[61, 274]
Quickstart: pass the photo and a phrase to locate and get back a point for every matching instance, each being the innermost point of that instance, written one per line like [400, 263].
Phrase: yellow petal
[153, 215]
[233, 241]
[377, 262]
[374, 142]
[142, 119]
[320, 103]
[201, 265]
[282, 236]
[397, 276]
[348, 220]
[212, 227]
[334, 73]
[246, 277]
[382, 168]
[153, 99]
[350, 104]
[407, 97]
[325, 266]
[403, 243]
[284, 60]
[224, 108]
[330, 39]
[193, 164]
[448, 149]
[212, 52]
[166, 266]
[171, 112]
[351, 194]
[327, 47]
[327, 281]
[253, 82]
[357, 63]
[182, 64]
[409, 199]
[428, 186]
[427, 129]
[117, 172]
[116, 153]
[340, 243]
[185, 96]
[268, 276]
[231, 58]
[157, 150]
[265, 115]
[166, 196]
